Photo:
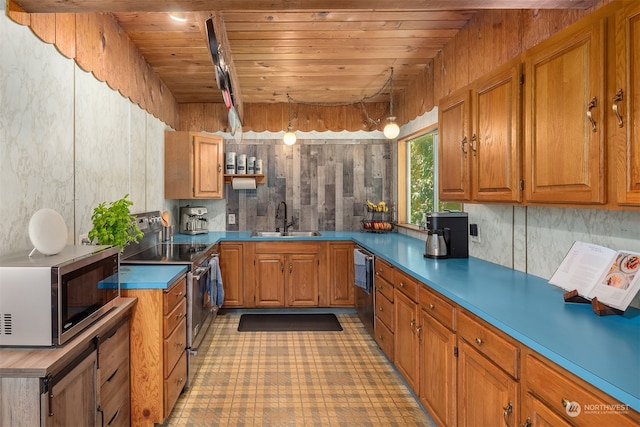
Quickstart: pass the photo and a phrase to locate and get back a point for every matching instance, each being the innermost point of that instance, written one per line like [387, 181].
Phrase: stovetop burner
[169, 253]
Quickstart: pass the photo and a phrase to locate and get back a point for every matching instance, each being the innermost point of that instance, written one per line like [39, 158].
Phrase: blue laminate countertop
[604, 351]
[149, 276]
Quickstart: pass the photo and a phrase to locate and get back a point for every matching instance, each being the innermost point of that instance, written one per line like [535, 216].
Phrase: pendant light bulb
[391, 129]
[290, 137]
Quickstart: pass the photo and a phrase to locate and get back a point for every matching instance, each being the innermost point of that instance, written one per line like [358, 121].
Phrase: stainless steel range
[201, 310]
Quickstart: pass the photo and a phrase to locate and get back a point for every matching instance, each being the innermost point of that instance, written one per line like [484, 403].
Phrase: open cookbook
[613, 277]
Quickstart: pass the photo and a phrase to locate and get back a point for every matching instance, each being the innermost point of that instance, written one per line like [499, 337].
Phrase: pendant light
[391, 129]
[289, 136]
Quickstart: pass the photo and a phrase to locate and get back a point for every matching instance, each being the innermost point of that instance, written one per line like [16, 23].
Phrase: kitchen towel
[214, 284]
[360, 262]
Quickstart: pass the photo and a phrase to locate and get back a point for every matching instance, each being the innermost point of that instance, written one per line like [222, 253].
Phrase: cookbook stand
[598, 308]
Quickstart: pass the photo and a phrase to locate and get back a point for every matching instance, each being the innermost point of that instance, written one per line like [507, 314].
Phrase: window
[422, 178]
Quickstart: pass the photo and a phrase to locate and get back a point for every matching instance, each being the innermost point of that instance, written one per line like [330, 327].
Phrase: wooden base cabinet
[158, 351]
[407, 329]
[84, 382]
[488, 374]
[438, 357]
[384, 307]
[232, 270]
[341, 275]
[287, 274]
[558, 398]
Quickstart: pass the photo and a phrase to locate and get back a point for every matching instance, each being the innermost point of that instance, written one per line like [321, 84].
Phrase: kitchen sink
[287, 234]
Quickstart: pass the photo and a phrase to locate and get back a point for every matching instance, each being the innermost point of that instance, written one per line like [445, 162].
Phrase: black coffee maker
[454, 227]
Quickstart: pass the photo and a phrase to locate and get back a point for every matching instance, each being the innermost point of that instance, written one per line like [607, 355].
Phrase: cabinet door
[496, 139]
[341, 291]
[487, 396]
[406, 349]
[627, 82]
[208, 160]
[454, 147]
[72, 400]
[565, 132]
[302, 280]
[231, 267]
[537, 414]
[437, 370]
[270, 280]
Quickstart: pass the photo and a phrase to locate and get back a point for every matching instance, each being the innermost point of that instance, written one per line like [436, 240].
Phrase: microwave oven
[47, 300]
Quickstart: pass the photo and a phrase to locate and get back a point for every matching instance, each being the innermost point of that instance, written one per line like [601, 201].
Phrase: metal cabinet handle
[616, 100]
[413, 322]
[527, 422]
[462, 144]
[593, 104]
[507, 410]
[282, 267]
[479, 341]
[474, 148]
[380, 308]
[290, 267]
[402, 284]
[431, 306]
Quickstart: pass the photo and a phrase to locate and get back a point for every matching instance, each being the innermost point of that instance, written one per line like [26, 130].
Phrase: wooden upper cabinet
[496, 140]
[454, 147]
[193, 165]
[479, 154]
[565, 116]
[626, 98]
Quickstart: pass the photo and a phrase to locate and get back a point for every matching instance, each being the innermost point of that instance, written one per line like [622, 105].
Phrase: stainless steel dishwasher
[363, 263]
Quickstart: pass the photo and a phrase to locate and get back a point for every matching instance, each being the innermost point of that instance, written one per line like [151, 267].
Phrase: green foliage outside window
[422, 172]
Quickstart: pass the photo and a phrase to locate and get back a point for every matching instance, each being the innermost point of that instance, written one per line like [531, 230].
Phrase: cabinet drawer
[407, 285]
[384, 338]
[174, 294]
[557, 388]
[489, 342]
[174, 384]
[384, 287]
[384, 269]
[384, 310]
[112, 352]
[114, 397]
[174, 346]
[438, 307]
[172, 319]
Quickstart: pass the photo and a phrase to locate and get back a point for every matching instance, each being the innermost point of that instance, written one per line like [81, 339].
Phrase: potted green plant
[114, 225]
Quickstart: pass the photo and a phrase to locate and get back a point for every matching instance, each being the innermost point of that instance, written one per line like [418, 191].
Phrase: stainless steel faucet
[285, 225]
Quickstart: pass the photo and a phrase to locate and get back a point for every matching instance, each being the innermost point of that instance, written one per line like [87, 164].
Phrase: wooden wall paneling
[17, 13]
[137, 85]
[215, 117]
[66, 34]
[116, 53]
[89, 44]
[43, 25]
[191, 116]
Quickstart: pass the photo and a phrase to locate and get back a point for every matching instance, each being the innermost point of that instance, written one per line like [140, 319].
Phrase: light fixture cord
[391, 94]
[341, 104]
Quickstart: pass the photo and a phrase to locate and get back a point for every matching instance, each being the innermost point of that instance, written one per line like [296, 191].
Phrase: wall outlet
[83, 239]
[232, 219]
[474, 233]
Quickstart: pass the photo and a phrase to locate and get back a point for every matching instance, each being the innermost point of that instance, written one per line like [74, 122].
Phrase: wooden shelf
[260, 179]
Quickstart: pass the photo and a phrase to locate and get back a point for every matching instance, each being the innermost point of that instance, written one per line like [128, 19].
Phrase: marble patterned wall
[68, 141]
[325, 182]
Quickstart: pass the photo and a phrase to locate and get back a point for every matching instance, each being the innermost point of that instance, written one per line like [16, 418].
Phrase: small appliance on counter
[193, 220]
[448, 235]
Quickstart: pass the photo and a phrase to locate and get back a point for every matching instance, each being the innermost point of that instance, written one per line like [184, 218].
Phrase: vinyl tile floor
[296, 379]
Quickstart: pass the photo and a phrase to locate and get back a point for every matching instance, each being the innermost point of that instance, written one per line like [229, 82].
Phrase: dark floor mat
[289, 322]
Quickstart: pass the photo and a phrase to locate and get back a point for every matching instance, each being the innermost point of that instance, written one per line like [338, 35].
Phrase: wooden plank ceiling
[317, 51]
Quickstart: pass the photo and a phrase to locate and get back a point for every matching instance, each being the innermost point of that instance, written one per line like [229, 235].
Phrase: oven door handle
[201, 271]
